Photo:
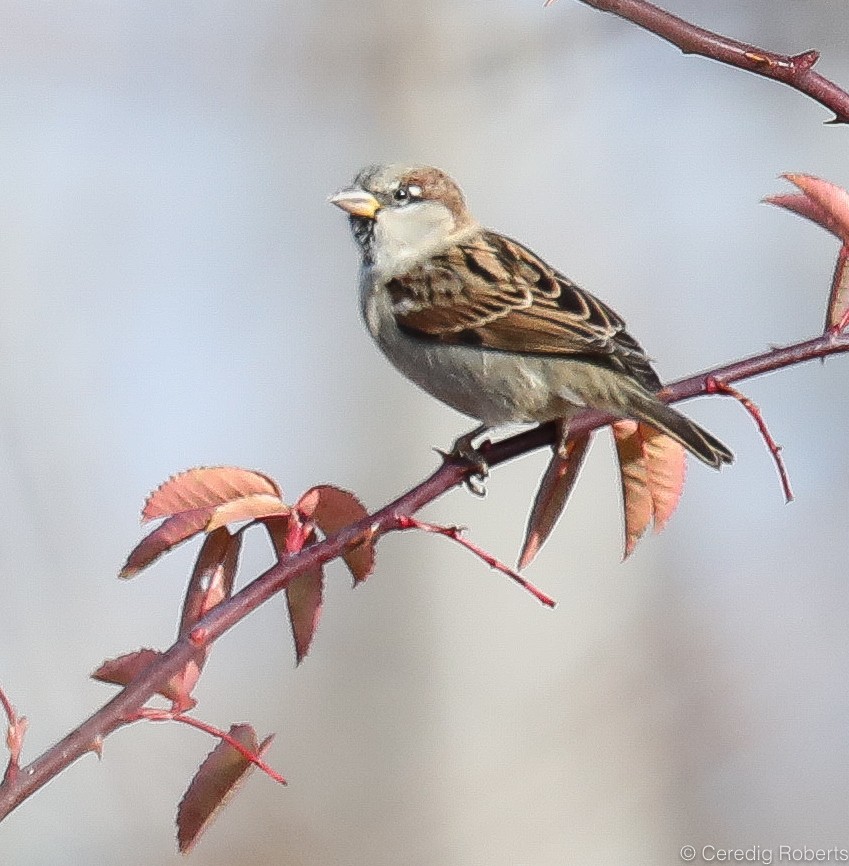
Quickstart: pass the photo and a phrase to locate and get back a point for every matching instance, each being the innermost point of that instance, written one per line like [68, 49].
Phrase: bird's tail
[646, 407]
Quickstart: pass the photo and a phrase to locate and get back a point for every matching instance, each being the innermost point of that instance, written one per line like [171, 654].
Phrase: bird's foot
[463, 451]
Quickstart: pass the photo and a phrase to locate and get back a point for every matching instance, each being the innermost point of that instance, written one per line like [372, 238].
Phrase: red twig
[14, 739]
[152, 715]
[716, 386]
[455, 533]
[8, 709]
[796, 70]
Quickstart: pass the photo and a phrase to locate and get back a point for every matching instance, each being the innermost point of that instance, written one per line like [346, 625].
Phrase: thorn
[804, 61]
[476, 463]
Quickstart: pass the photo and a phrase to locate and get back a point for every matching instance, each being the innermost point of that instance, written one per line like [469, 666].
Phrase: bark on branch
[795, 70]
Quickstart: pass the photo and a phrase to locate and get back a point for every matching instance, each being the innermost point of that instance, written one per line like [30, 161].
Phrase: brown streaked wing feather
[508, 299]
[463, 288]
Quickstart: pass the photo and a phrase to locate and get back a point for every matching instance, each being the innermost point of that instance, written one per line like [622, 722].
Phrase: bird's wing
[496, 294]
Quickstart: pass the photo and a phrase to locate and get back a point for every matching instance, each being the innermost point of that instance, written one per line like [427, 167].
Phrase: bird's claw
[463, 451]
[475, 483]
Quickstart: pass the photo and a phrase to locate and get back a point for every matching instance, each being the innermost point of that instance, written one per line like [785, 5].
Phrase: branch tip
[713, 385]
[454, 533]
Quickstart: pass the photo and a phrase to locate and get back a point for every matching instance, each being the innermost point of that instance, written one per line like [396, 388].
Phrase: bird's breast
[494, 387]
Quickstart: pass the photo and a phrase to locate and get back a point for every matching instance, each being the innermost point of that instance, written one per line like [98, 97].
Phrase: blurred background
[175, 291]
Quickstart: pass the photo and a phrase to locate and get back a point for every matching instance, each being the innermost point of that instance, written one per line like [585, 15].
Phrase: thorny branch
[796, 70]
[123, 708]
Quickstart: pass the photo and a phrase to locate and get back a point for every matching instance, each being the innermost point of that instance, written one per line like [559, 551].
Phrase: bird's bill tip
[356, 202]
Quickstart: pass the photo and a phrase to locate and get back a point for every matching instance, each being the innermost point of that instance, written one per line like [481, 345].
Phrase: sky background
[175, 291]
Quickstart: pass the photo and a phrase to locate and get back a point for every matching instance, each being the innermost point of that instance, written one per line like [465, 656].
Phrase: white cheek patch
[407, 234]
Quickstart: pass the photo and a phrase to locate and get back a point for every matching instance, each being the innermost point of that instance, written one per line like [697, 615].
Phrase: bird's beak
[356, 202]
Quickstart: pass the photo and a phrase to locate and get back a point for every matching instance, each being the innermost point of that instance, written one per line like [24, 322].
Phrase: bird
[482, 323]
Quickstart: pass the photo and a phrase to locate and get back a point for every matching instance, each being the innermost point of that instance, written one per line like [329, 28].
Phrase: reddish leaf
[636, 497]
[203, 487]
[212, 577]
[123, 670]
[666, 462]
[803, 206]
[652, 468]
[287, 533]
[553, 494]
[830, 203]
[166, 536]
[182, 684]
[210, 584]
[217, 779]
[827, 205]
[333, 509]
[838, 299]
[250, 507]
[304, 597]
[304, 594]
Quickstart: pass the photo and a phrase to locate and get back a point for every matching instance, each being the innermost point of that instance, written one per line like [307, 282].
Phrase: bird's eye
[406, 194]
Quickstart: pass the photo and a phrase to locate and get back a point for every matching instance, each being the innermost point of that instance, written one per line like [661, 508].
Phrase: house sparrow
[483, 324]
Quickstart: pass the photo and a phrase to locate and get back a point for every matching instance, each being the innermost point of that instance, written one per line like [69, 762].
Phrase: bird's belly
[484, 385]
[493, 387]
